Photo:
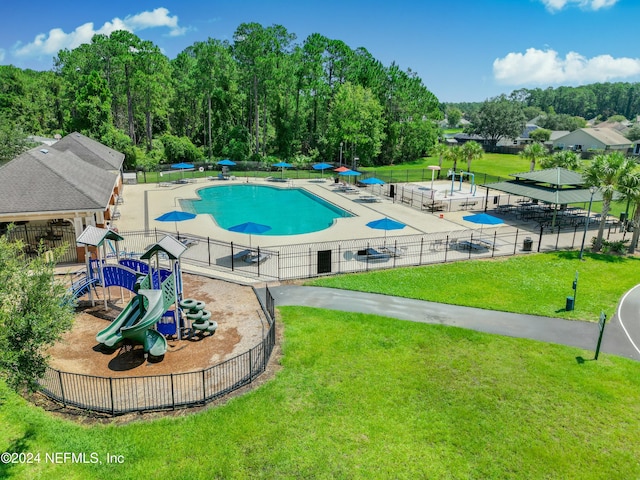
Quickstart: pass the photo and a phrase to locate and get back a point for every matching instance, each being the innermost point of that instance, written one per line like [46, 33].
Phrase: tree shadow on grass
[601, 257]
[18, 446]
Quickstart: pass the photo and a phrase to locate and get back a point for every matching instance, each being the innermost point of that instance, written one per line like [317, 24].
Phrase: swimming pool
[288, 211]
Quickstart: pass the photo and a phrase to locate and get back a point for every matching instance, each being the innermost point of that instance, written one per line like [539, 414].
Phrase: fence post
[173, 398]
[540, 238]
[204, 389]
[446, 248]
[113, 406]
[421, 250]
[250, 365]
[232, 263]
[64, 401]
[209, 250]
[515, 243]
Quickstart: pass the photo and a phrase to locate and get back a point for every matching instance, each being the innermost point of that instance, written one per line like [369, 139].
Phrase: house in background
[523, 139]
[585, 139]
[53, 192]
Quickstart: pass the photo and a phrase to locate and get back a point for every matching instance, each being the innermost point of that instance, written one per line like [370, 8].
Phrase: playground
[143, 316]
[233, 306]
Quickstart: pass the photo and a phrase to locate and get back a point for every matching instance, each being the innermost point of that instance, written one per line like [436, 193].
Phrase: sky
[464, 50]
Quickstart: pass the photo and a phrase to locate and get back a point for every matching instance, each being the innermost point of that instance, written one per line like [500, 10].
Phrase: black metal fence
[356, 255]
[47, 236]
[116, 396]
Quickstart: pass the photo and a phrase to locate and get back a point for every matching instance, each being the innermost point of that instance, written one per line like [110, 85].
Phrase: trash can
[336, 180]
[527, 244]
[623, 217]
[570, 304]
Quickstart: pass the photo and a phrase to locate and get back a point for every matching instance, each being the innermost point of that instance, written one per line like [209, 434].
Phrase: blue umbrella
[372, 181]
[175, 216]
[322, 166]
[282, 165]
[182, 167]
[483, 219]
[226, 163]
[386, 224]
[250, 228]
[349, 173]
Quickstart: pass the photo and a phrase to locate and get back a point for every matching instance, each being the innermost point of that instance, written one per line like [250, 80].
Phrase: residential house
[585, 139]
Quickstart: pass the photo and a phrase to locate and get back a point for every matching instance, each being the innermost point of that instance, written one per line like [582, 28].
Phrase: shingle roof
[49, 180]
[562, 196]
[90, 151]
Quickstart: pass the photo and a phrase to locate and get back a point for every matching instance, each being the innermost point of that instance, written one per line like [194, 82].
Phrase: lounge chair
[371, 254]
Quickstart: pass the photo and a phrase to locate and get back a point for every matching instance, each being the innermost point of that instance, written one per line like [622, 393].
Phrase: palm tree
[564, 158]
[629, 187]
[471, 151]
[534, 152]
[454, 154]
[606, 173]
[440, 150]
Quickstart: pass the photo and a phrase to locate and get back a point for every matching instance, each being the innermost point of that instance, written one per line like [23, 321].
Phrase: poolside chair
[371, 254]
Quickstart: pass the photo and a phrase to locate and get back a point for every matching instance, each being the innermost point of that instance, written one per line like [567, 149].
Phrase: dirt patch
[234, 307]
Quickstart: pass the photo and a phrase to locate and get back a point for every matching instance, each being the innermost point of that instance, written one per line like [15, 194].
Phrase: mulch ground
[235, 308]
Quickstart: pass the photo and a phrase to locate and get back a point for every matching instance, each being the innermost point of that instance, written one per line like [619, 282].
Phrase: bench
[466, 205]
[435, 206]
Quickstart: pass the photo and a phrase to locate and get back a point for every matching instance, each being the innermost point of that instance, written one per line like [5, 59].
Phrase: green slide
[142, 330]
[110, 336]
[136, 323]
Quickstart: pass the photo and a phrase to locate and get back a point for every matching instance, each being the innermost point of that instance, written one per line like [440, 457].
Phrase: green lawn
[362, 396]
[536, 284]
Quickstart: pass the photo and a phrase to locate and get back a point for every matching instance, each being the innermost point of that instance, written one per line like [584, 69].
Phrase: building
[585, 139]
[54, 192]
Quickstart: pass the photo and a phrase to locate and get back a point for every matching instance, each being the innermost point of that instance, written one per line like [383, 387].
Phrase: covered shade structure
[557, 186]
[554, 186]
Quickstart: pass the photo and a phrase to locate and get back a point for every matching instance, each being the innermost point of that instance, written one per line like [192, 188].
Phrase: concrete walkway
[579, 334]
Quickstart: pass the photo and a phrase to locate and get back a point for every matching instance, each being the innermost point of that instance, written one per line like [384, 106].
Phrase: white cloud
[546, 67]
[57, 39]
[557, 5]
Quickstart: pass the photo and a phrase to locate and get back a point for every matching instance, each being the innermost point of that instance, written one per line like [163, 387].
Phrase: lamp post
[592, 190]
[341, 143]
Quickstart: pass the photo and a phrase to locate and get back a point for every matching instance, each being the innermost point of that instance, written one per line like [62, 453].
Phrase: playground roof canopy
[169, 245]
[94, 236]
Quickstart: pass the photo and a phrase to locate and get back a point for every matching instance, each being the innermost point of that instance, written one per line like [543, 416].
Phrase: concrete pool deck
[145, 202]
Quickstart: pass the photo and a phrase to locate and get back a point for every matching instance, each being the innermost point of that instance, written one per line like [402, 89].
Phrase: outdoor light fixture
[592, 190]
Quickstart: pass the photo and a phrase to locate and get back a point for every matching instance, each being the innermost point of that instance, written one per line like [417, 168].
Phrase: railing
[295, 261]
[117, 396]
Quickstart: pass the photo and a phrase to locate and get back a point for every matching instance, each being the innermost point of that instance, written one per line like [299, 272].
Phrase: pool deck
[145, 202]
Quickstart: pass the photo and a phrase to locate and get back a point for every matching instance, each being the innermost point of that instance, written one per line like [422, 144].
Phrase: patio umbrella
[176, 216]
[349, 173]
[483, 219]
[182, 167]
[322, 167]
[226, 163]
[250, 228]
[341, 169]
[282, 165]
[386, 224]
[372, 181]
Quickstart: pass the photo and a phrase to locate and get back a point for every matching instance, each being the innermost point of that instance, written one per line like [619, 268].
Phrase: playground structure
[461, 175]
[155, 311]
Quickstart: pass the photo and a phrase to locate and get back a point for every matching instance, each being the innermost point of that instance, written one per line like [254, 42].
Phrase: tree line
[261, 95]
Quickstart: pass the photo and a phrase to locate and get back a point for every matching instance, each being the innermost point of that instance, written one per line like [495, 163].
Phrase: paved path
[566, 332]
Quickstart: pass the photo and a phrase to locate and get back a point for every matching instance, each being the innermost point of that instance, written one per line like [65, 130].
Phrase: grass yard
[362, 396]
[536, 284]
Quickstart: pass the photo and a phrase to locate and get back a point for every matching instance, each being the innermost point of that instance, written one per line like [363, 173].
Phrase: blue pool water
[288, 211]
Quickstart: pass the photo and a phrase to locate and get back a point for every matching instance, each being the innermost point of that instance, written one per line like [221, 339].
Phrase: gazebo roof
[553, 176]
[94, 236]
[553, 185]
[559, 196]
[169, 245]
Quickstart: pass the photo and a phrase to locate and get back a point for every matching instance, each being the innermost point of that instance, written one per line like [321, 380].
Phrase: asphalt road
[617, 339]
